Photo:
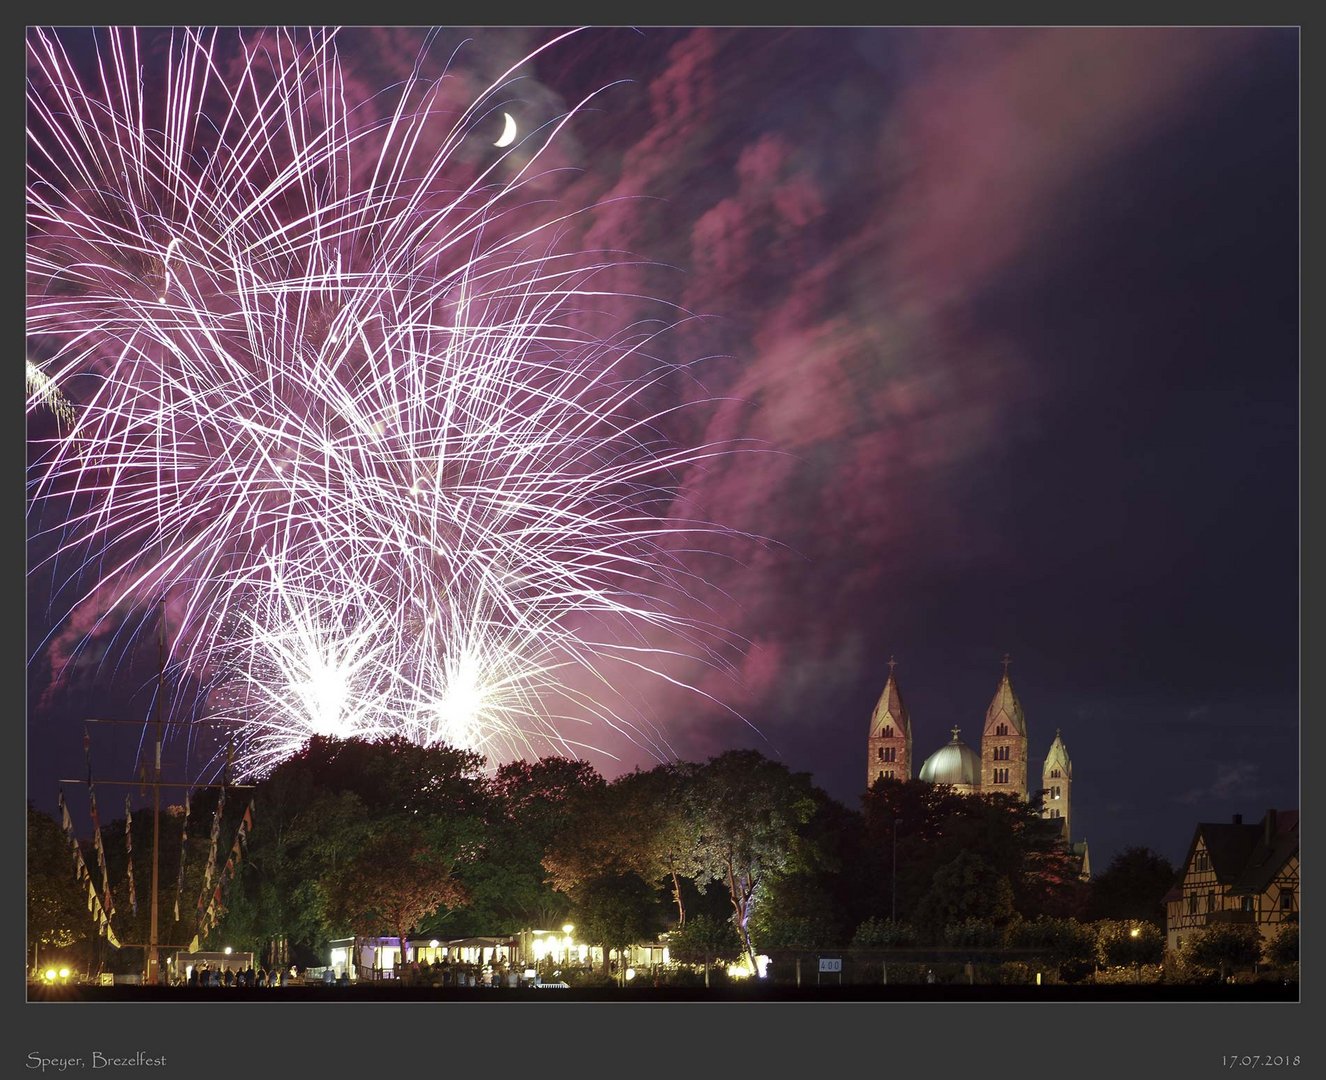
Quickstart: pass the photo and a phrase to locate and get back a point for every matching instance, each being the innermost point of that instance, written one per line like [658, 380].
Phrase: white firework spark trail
[347, 411]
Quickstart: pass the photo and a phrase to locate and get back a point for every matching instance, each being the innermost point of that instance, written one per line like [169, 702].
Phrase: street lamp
[1136, 933]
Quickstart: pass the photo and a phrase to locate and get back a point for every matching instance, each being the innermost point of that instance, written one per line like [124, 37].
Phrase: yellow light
[64, 973]
[567, 928]
[433, 944]
[50, 974]
[630, 974]
[226, 950]
[1135, 932]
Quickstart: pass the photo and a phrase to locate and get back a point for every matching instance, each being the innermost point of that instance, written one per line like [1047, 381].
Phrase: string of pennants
[210, 905]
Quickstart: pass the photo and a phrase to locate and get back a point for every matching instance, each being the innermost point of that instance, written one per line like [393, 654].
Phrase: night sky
[1006, 321]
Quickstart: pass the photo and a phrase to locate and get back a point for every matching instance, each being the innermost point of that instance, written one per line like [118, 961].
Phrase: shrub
[1223, 947]
[978, 932]
[1282, 950]
[884, 933]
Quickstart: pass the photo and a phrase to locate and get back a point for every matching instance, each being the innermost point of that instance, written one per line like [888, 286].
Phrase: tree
[531, 808]
[884, 933]
[1066, 943]
[967, 888]
[929, 825]
[636, 825]
[1282, 950]
[57, 904]
[1129, 943]
[393, 882]
[704, 940]
[816, 903]
[1132, 887]
[744, 814]
[1223, 947]
[615, 910]
[315, 816]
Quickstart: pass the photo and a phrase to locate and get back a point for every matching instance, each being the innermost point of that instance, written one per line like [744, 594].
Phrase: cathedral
[1001, 765]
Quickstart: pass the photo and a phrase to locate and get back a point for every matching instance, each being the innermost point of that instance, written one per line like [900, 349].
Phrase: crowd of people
[205, 974]
[446, 973]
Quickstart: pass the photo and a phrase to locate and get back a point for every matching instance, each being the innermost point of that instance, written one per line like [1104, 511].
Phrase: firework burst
[346, 404]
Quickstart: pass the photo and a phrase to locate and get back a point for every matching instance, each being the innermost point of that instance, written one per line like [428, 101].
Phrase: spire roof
[1005, 705]
[1058, 758]
[890, 710]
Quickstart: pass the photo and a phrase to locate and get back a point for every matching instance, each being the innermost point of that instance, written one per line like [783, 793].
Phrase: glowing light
[50, 974]
[64, 973]
[379, 454]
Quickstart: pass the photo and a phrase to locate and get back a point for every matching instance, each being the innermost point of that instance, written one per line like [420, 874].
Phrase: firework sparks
[348, 411]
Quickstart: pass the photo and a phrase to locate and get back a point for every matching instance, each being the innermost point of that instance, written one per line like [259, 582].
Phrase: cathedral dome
[956, 764]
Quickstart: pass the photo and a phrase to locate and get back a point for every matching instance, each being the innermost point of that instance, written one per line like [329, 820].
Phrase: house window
[1247, 903]
[1210, 901]
[1286, 899]
[1202, 863]
[1192, 903]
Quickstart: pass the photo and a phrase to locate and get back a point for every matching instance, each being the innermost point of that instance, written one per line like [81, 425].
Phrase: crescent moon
[508, 132]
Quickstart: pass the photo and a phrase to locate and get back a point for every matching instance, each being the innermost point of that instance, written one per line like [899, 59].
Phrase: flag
[96, 830]
[210, 867]
[81, 872]
[184, 847]
[211, 915]
[67, 823]
[129, 853]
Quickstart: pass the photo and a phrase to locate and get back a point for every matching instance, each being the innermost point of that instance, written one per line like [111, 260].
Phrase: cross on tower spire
[1007, 660]
[892, 664]
[955, 731]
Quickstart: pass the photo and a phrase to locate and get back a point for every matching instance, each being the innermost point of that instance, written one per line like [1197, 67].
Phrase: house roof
[1269, 855]
[1241, 855]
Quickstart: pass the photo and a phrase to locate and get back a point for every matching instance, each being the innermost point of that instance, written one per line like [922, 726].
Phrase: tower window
[889, 774]
[888, 731]
[1002, 729]
[881, 753]
[1054, 774]
[1001, 776]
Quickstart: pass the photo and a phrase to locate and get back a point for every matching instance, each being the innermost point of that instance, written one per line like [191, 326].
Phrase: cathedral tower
[1004, 741]
[889, 745]
[1057, 780]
